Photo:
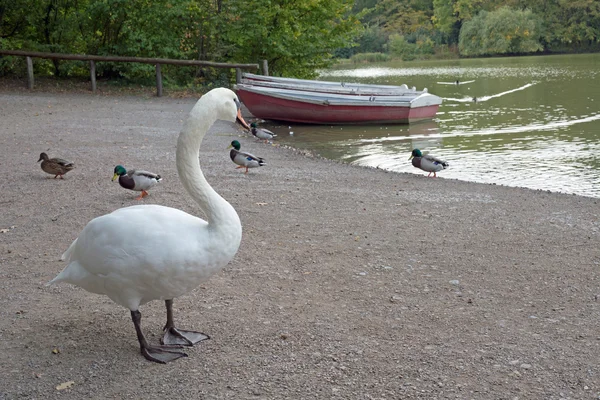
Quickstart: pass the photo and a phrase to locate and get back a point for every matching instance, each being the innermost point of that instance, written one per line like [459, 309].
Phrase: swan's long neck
[219, 213]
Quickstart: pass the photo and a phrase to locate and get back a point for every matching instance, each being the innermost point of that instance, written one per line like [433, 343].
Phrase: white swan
[148, 252]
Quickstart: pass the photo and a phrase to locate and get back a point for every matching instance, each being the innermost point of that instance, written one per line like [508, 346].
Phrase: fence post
[29, 72]
[93, 75]
[158, 81]
[265, 67]
[238, 75]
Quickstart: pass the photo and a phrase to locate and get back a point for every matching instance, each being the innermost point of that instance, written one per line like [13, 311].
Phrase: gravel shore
[350, 283]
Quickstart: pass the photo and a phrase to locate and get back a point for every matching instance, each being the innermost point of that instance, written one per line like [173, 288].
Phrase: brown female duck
[55, 166]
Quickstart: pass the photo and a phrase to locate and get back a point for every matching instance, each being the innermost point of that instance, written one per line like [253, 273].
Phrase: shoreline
[350, 282]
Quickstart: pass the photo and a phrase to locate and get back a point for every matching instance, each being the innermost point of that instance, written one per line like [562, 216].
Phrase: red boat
[325, 107]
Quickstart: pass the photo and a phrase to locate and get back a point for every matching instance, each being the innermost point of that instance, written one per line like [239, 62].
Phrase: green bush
[400, 47]
[369, 57]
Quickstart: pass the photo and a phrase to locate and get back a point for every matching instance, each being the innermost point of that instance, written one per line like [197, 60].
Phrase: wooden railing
[156, 61]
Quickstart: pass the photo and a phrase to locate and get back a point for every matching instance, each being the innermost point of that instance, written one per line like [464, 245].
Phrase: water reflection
[535, 123]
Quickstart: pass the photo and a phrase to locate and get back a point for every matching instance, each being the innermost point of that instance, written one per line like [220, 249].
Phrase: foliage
[421, 47]
[295, 37]
[373, 39]
[500, 32]
[369, 58]
[401, 48]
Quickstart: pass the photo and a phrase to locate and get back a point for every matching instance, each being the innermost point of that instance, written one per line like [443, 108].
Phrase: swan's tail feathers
[72, 273]
[67, 254]
[261, 162]
[57, 278]
[65, 257]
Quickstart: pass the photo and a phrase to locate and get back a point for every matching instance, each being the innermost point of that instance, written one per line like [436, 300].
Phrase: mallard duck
[149, 252]
[55, 166]
[427, 162]
[244, 160]
[137, 180]
[261, 133]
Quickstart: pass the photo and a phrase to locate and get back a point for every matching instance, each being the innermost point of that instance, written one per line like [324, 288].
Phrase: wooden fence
[156, 61]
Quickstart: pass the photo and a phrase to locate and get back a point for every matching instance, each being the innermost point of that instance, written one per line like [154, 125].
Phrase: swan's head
[119, 171]
[235, 144]
[226, 105]
[416, 153]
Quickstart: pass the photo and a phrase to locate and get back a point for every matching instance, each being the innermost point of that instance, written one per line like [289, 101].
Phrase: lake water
[536, 122]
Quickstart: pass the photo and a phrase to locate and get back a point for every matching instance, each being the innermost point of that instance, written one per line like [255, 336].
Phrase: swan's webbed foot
[174, 336]
[161, 354]
[179, 337]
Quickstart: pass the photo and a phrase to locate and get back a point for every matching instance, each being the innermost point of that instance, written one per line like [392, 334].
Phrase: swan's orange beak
[240, 119]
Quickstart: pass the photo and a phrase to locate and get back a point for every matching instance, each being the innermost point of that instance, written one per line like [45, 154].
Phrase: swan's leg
[159, 354]
[241, 166]
[434, 175]
[174, 336]
[246, 170]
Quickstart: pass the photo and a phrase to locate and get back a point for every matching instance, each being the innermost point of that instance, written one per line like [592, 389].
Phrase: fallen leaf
[261, 204]
[55, 350]
[65, 385]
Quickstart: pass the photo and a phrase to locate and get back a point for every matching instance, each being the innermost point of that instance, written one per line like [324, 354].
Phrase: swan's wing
[136, 241]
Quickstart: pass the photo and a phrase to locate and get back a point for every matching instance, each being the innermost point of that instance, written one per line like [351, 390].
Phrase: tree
[581, 21]
[296, 37]
[504, 31]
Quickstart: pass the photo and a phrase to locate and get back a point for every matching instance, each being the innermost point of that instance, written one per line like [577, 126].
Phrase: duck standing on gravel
[244, 160]
[55, 166]
[427, 163]
[137, 180]
[261, 133]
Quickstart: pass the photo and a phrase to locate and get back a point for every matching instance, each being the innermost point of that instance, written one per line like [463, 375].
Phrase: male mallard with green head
[137, 180]
[244, 160]
[261, 133]
[55, 166]
[427, 163]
